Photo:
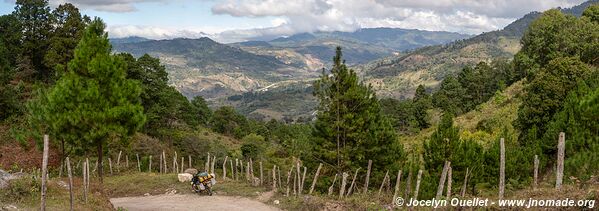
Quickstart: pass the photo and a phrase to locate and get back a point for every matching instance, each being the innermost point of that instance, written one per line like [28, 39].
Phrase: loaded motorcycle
[202, 182]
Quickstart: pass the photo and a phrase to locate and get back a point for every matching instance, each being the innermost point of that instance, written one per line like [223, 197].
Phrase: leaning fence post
[442, 180]
[561, 148]
[397, 182]
[448, 195]
[367, 176]
[332, 185]
[384, 181]
[501, 168]
[315, 178]
[465, 185]
[70, 182]
[353, 181]
[418, 179]
[44, 171]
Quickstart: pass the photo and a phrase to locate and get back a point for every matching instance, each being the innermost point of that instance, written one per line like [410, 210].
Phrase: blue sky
[238, 20]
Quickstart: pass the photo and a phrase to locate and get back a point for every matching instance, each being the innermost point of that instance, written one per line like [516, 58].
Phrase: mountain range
[271, 79]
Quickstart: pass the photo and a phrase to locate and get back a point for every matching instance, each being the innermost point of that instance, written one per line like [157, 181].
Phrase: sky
[240, 20]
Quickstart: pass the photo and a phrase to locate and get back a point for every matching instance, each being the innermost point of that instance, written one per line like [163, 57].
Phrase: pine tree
[350, 128]
[34, 18]
[421, 102]
[94, 101]
[70, 26]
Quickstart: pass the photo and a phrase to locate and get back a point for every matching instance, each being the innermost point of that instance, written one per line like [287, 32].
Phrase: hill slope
[205, 67]
[398, 76]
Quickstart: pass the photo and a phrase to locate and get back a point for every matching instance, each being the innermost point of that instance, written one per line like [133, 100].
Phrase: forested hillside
[398, 76]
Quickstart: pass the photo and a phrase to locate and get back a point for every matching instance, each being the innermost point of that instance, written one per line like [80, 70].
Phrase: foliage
[350, 128]
[94, 101]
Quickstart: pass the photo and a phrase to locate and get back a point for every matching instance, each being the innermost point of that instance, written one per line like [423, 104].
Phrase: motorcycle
[202, 183]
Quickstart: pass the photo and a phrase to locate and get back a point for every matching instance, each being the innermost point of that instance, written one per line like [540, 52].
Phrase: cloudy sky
[238, 20]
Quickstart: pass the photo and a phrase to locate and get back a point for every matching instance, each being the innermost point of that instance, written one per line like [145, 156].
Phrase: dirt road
[189, 202]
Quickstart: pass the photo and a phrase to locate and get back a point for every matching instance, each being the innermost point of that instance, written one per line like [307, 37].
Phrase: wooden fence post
[279, 172]
[175, 169]
[343, 184]
[261, 174]
[44, 171]
[182, 164]
[70, 182]
[288, 178]
[298, 177]
[225, 168]
[408, 184]
[418, 179]
[295, 185]
[160, 169]
[384, 181]
[212, 165]
[397, 182]
[536, 172]
[247, 172]
[84, 179]
[118, 162]
[332, 185]
[189, 160]
[164, 168]
[501, 167]
[274, 178]
[353, 182]
[442, 180]
[232, 171]
[315, 178]
[138, 163]
[465, 185]
[303, 180]
[207, 166]
[561, 148]
[150, 165]
[110, 165]
[448, 195]
[367, 176]
[127, 161]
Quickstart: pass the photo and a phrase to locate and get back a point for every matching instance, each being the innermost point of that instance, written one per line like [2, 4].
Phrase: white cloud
[464, 16]
[105, 5]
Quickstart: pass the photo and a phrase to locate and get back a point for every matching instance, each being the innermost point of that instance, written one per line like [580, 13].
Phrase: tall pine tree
[350, 128]
[93, 102]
